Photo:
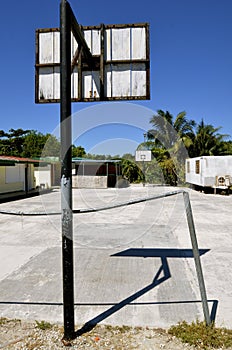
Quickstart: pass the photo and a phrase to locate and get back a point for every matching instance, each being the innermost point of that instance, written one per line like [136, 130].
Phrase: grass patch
[43, 325]
[202, 336]
[4, 320]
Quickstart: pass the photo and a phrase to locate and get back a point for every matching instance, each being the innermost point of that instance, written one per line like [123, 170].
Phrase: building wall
[31, 177]
[43, 176]
[11, 178]
[95, 174]
[79, 181]
[48, 175]
[203, 171]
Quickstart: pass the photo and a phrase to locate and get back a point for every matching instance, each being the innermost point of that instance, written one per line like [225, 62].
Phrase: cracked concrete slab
[133, 265]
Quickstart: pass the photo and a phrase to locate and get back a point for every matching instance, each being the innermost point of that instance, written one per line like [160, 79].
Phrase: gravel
[18, 334]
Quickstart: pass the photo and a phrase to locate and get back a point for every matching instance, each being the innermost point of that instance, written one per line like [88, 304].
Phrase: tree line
[173, 139]
[28, 143]
[170, 139]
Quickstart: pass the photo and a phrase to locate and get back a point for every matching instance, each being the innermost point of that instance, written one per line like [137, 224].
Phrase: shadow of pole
[156, 281]
[214, 311]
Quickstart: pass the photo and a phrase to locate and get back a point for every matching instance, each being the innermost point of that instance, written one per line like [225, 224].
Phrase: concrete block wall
[89, 181]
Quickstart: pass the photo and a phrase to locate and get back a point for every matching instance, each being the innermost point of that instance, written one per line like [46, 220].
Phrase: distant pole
[66, 170]
[144, 157]
[145, 136]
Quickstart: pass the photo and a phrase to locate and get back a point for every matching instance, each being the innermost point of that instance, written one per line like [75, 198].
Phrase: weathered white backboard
[121, 68]
[143, 156]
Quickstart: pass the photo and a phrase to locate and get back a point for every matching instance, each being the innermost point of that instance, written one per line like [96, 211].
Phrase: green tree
[4, 143]
[131, 171]
[167, 132]
[28, 143]
[207, 141]
[38, 145]
[171, 138]
[11, 143]
[51, 147]
[78, 151]
[128, 156]
[227, 145]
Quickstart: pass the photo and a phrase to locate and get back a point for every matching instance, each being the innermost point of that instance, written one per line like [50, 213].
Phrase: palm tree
[167, 132]
[171, 137]
[207, 141]
[131, 171]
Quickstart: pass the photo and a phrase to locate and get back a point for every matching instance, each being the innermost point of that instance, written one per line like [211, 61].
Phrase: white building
[16, 174]
[209, 171]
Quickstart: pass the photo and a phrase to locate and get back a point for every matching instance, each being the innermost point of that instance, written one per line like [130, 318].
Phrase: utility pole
[66, 170]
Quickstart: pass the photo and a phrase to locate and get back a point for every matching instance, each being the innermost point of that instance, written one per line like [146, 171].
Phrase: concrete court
[133, 265]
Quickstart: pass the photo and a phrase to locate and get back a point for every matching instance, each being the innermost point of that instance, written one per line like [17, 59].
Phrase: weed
[43, 325]
[124, 329]
[202, 336]
[3, 320]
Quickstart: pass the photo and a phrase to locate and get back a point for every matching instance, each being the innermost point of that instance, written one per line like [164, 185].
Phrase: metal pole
[66, 170]
[197, 258]
[144, 180]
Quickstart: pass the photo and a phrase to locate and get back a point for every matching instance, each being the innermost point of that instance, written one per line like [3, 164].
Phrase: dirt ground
[17, 334]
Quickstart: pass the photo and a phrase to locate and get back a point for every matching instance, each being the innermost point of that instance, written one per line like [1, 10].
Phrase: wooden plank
[108, 55]
[108, 81]
[96, 42]
[46, 48]
[87, 84]
[138, 80]
[88, 38]
[56, 47]
[56, 83]
[96, 84]
[91, 84]
[138, 43]
[121, 80]
[46, 83]
[102, 61]
[74, 45]
[74, 83]
[120, 44]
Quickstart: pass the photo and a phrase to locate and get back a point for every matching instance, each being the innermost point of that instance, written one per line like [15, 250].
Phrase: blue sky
[191, 67]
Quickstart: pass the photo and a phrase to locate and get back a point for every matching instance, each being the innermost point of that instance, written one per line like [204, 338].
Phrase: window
[197, 167]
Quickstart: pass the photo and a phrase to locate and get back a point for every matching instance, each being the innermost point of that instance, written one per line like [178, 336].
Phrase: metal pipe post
[66, 170]
[196, 255]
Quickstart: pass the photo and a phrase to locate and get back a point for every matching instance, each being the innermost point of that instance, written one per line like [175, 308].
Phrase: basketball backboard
[121, 68]
[143, 156]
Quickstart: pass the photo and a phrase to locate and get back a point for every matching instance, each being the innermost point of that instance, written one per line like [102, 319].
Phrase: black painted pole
[66, 170]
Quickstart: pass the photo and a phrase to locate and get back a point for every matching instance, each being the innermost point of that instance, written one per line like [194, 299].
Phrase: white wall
[89, 181]
[15, 173]
[43, 176]
[210, 168]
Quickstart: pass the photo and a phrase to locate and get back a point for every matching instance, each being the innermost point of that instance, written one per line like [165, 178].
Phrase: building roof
[12, 160]
[92, 161]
